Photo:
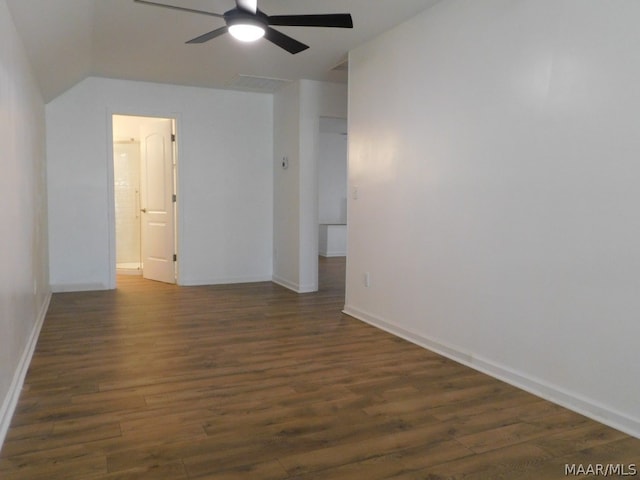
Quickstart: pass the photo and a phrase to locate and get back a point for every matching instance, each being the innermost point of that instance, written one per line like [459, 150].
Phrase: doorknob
[143, 210]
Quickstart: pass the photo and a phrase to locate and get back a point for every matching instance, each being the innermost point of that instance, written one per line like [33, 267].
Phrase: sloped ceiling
[68, 40]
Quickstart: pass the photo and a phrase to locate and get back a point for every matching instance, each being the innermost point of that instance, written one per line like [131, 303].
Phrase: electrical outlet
[367, 279]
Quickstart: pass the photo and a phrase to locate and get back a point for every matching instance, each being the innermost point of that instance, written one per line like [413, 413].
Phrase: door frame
[111, 210]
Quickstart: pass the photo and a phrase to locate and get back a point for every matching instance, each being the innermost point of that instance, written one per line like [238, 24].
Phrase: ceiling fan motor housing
[238, 16]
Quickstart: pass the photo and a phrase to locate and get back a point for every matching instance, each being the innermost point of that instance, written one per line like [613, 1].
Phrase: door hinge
[175, 257]
[173, 137]
[174, 198]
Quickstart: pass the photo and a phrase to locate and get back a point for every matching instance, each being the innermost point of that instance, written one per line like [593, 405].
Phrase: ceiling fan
[248, 23]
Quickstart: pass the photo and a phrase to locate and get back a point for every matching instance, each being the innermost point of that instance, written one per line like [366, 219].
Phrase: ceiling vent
[250, 83]
[342, 66]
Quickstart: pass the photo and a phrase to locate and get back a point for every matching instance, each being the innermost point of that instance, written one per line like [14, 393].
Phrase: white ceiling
[68, 40]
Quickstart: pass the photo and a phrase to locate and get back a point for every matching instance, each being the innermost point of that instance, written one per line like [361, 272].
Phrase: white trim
[334, 253]
[285, 283]
[224, 281]
[111, 214]
[540, 388]
[78, 287]
[294, 286]
[13, 395]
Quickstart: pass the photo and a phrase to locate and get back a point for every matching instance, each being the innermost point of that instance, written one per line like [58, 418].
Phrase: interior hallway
[254, 381]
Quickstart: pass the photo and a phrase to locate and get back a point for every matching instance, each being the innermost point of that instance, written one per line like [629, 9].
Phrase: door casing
[151, 115]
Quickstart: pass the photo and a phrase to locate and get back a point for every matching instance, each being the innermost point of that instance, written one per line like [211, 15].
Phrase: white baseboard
[11, 400]
[77, 287]
[552, 393]
[334, 253]
[223, 280]
[294, 286]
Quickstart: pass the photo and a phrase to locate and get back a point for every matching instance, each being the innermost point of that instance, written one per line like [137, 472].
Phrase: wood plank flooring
[155, 381]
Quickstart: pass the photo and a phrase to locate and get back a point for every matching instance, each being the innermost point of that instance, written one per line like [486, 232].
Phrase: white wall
[286, 187]
[332, 171]
[332, 240]
[495, 149]
[24, 291]
[297, 111]
[126, 176]
[224, 181]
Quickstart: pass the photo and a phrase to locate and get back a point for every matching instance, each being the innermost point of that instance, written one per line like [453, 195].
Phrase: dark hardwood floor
[155, 381]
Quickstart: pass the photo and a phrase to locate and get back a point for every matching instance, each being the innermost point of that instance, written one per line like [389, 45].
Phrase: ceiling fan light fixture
[245, 26]
[247, 32]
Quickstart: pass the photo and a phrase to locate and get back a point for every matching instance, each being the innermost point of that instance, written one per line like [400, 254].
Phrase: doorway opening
[332, 191]
[144, 166]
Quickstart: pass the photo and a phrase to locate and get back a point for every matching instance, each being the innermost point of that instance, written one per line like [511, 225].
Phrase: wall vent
[343, 66]
[250, 83]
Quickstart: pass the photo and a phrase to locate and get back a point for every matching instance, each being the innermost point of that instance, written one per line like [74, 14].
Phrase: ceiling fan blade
[182, 9]
[210, 35]
[248, 5]
[337, 20]
[291, 45]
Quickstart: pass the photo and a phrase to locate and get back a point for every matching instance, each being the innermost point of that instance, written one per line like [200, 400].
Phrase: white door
[156, 200]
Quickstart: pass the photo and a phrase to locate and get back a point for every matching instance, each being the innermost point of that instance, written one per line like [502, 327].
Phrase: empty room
[319, 240]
